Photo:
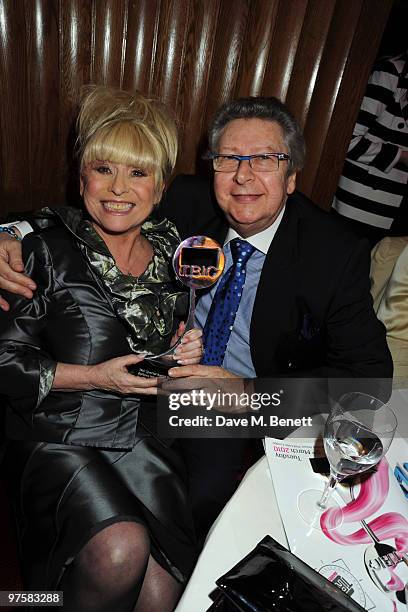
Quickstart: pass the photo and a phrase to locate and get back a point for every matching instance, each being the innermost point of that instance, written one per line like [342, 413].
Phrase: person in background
[372, 194]
[305, 308]
[101, 502]
[389, 288]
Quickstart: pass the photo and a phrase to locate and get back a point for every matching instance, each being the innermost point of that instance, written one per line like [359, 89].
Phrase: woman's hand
[190, 350]
[11, 270]
[112, 375]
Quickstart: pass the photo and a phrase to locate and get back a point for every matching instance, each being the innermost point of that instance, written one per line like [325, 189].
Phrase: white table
[251, 514]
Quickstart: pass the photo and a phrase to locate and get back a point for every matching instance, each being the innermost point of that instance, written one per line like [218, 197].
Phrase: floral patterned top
[150, 305]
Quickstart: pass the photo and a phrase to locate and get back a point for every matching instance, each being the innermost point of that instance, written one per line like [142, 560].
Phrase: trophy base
[149, 370]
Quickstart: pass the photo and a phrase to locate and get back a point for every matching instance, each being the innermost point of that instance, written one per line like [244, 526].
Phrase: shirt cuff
[47, 374]
[23, 227]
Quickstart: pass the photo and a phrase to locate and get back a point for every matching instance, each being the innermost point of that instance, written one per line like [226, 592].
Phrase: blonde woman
[100, 501]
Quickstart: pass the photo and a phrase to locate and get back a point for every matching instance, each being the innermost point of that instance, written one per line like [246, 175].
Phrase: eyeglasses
[262, 162]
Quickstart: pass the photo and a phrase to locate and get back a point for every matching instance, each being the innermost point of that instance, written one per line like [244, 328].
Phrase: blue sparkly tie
[220, 319]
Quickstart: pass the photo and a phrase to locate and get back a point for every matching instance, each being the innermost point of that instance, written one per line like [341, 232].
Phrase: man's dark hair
[270, 109]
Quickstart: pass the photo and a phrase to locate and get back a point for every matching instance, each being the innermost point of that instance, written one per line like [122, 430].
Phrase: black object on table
[272, 579]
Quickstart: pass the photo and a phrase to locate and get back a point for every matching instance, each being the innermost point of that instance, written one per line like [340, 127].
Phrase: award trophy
[198, 263]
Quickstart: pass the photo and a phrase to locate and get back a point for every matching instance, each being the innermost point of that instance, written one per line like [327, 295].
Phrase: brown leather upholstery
[195, 54]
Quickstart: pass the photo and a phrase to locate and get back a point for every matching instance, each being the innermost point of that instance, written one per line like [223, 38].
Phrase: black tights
[115, 572]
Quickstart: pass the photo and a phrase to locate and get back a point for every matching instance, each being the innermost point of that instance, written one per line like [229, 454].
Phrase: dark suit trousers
[215, 467]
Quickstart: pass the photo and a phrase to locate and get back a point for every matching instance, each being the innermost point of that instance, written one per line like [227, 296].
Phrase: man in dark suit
[312, 273]
[305, 307]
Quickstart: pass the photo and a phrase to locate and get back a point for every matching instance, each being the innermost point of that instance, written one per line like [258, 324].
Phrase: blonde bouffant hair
[126, 128]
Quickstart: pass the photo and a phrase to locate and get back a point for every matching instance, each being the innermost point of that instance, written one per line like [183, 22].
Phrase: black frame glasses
[259, 162]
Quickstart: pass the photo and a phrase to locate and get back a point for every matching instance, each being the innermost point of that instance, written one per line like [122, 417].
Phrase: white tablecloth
[251, 514]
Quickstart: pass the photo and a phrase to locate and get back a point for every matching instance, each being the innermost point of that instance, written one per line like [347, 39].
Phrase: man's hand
[201, 371]
[212, 380]
[11, 270]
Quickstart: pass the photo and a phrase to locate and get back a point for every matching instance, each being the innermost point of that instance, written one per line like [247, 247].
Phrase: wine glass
[357, 434]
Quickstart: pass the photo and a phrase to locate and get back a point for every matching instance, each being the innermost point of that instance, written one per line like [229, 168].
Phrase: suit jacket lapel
[216, 229]
[275, 294]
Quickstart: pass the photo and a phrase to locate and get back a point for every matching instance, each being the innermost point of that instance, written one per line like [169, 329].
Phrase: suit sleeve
[356, 339]
[27, 370]
[357, 356]
[188, 202]
[37, 220]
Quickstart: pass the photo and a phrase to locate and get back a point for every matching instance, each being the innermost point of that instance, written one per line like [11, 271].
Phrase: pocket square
[308, 328]
[302, 348]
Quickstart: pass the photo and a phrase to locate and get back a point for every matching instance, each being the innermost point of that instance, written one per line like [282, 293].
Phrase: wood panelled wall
[194, 54]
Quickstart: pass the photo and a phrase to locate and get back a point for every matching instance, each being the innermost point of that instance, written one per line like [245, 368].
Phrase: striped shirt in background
[374, 181]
